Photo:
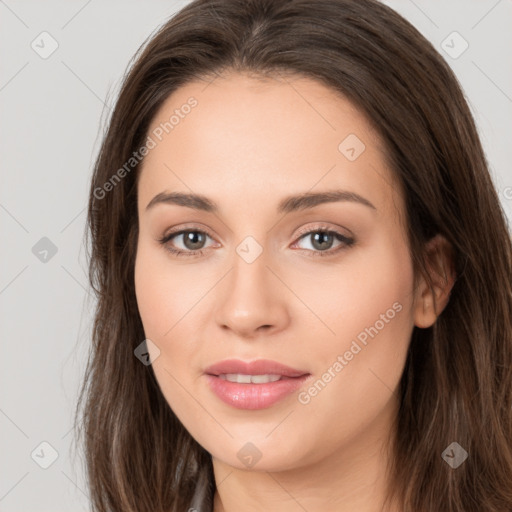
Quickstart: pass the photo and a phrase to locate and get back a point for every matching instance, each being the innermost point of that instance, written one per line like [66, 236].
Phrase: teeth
[240, 378]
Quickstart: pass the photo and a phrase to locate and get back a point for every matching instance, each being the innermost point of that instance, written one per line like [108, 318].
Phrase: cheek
[149, 291]
[167, 298]
[163, 300]
[358, 369]
[161, 309]
[350, 297]
[164, 293]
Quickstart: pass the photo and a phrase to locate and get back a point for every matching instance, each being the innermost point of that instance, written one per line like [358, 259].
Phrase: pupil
[191, 238]
[319, 240]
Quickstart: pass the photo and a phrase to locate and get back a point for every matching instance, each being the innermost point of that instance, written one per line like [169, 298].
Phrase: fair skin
[246, 146]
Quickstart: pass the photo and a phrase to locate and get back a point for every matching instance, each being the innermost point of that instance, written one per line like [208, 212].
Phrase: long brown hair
[457, 382]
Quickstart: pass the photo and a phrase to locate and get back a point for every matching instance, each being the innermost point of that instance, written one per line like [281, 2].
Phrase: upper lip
[258, 367]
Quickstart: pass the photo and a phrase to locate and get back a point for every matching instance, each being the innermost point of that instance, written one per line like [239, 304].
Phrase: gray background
[53, 112]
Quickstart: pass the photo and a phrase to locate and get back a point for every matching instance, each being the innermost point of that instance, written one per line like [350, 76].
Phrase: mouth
[241, 378]
[253, 385]
[253, 368]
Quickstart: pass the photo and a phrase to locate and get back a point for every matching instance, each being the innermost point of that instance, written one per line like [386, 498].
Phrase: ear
[429, 302]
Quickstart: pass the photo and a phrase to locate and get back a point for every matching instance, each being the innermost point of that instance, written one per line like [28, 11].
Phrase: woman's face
[293, 255]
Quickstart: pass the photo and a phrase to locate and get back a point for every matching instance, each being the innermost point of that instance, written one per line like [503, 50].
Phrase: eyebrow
[287, 205]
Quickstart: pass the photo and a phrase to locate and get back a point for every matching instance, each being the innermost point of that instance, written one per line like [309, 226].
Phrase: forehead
[265, 136]
[237, 107]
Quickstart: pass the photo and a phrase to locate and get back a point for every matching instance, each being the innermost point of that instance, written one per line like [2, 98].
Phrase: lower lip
[254, 396]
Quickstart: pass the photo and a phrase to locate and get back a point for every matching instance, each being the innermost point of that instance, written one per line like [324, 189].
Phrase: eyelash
[346, 242]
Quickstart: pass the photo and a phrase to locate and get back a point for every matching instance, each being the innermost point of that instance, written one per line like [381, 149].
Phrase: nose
[252, 300]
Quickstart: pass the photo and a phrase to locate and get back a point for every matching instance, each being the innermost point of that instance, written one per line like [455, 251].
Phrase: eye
[322, 240]
[191, 240]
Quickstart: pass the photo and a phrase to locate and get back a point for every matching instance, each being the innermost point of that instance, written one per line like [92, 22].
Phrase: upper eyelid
[323, 228]
[207, 232]
[182, 229]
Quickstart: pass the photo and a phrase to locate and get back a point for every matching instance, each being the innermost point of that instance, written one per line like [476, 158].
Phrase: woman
[233, 369]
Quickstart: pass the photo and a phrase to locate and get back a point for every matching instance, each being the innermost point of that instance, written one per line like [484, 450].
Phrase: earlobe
[432, 300]
[424, 313]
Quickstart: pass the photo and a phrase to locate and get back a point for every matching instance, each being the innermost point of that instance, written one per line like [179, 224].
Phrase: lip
[258, 367]
[254, 396]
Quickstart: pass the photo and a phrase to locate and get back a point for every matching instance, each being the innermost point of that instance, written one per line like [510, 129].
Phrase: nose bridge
[249, 274]
[251, 299]
[248, 287]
